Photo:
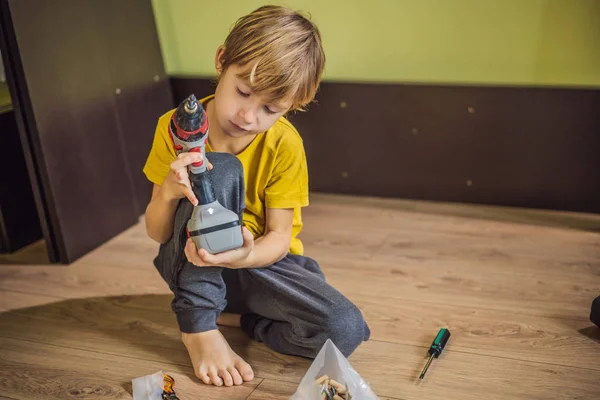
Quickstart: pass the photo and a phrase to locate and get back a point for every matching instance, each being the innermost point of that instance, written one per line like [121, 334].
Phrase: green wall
[520, 42]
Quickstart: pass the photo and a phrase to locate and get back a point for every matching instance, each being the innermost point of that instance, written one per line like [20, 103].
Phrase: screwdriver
[436, 348]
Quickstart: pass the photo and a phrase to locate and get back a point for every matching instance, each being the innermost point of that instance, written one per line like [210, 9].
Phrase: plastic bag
[148, 387]
[331, 362]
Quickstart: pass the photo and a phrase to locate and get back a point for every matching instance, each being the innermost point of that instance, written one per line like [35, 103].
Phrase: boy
[271, 63]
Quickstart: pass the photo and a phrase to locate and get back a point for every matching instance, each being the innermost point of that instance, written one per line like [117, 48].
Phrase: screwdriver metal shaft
[436, 348]
[426, 367]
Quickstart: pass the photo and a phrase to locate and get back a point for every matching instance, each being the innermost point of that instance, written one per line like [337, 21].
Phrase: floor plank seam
[36, 294]
[5, 397]
[413, 300]
[256, 387]
[96, 352]
[449, 350]
[94, 263]
[383, 243]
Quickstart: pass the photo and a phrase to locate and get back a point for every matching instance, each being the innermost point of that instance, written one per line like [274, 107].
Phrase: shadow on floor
[592, 332]
[137, 327]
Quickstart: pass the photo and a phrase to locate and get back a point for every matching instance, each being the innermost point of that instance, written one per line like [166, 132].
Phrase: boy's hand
[177, 183]
[234, 259]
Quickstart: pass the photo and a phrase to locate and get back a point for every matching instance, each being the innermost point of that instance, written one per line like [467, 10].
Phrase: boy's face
[240, 111]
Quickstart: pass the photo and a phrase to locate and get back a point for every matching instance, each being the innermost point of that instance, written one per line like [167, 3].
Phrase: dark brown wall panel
[94, 87]
[183, 87]
[135, 63]
[515, 146]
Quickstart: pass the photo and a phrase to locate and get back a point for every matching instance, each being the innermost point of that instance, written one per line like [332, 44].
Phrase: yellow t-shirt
[275, 172]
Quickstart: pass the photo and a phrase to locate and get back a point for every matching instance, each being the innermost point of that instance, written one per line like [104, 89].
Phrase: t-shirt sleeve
[161, 154]
[288, 186]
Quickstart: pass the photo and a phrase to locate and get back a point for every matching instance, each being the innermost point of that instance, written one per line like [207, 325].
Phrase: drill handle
[201, 166]
[439, 343]
[198, 171]
[197, 146]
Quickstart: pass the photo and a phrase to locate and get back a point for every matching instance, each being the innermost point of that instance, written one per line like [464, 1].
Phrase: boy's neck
[219, 141]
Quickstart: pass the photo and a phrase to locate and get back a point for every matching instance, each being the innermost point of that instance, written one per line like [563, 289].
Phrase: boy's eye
[242, 93]
[269, 111]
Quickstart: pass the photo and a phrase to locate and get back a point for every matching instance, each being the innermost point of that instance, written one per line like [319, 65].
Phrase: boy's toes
[214, 378]
[235, 375]
[245, 370]
[226, 376]
[203, 376]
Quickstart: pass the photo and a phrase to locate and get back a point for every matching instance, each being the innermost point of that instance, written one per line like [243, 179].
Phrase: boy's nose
[246, 115]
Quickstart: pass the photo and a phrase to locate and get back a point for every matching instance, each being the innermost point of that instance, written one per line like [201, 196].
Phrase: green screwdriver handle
[439, 342]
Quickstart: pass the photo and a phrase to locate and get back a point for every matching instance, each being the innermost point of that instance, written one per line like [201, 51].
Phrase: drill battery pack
[595, 313]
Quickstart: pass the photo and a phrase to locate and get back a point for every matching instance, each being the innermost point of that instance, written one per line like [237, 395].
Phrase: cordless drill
[212, 227]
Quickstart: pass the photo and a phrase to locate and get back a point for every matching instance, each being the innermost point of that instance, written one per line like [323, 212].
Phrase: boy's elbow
[156, 236]
[282, 254]
[152, 236]
[286, 242]
[158, 239]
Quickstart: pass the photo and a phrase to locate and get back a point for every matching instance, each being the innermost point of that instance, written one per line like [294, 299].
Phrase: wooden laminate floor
[514, 287]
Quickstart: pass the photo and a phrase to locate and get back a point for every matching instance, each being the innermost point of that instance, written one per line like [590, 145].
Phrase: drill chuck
[191, 105]
[189, 130]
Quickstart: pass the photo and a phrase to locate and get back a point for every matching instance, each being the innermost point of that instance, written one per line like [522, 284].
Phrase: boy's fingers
[193, 155]
[189, 253]
[185, 159]
[223, 258]
[191, 197]
[192, 254]
[180, 175]
[210, 166]
[208, 258]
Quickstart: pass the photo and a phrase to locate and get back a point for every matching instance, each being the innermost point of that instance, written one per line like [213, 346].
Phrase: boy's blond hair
[282, 51]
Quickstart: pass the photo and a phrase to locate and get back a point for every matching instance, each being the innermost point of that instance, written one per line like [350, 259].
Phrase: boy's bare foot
[213, 360]
[229, 319]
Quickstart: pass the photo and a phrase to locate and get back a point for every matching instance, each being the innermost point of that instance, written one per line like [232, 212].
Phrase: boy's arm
[160, 214]
[275, 243]
[265, 251]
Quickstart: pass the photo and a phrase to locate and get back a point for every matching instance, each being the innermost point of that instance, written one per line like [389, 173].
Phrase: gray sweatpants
[288, 305]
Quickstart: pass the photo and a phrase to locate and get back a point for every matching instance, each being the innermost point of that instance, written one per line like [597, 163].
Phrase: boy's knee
[346, 328]
[227, 178]
[225, 163]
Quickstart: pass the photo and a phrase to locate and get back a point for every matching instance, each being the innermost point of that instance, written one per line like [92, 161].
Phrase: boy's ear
[219, 59]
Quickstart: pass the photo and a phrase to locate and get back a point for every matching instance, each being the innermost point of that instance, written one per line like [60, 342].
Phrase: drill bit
[191, 104]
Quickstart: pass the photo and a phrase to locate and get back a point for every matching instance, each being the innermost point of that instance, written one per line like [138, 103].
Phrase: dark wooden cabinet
[19, 221]
[88, 85]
